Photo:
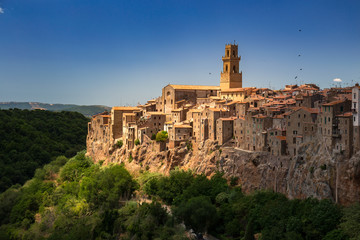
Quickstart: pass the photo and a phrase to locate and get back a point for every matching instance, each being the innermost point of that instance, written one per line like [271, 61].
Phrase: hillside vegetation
[77, 199]
[30, 139]
[87, 110]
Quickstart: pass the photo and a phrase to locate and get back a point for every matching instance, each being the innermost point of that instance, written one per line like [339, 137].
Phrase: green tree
[198, 213]
[162, 136]
[351, 221]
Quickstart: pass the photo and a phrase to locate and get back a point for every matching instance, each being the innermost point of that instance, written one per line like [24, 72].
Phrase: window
[227, 53]
[298, 124]
[289, 124]
[168, 93]
[294, 140]
[234, 53]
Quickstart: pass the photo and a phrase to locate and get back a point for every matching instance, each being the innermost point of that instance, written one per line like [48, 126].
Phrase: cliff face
[313, 173]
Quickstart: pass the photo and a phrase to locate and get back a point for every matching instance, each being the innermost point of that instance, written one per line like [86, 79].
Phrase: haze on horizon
[123, 52]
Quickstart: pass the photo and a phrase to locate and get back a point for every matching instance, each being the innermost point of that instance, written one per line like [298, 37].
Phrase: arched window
[168, 93]
[226, 68]
[227, 53]
[234, 53]
[234, 69]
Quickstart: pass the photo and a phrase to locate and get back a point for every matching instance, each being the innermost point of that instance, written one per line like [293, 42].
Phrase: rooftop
[194, 87]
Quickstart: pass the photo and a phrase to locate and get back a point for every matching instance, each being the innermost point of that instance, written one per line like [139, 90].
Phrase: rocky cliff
[313, 173]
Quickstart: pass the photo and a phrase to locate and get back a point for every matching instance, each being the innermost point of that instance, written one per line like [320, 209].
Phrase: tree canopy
[31, 139]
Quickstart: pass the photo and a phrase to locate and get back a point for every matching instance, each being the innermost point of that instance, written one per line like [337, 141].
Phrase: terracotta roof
[233, 90]
[228, 119]
[195, 110]
[282, 138]
[216, 109]
[105, 116]
[155, 113]
[125, 108]
[182, 126]
[259, 116]
[279, 116]
[347, 114]
[333, 103]
[194, 87]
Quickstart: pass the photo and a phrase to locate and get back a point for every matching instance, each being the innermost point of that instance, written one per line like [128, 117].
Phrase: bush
[119, 143]
[137, 142]
[153, 137]
[162, 136]
[130, 158]
[189, 145]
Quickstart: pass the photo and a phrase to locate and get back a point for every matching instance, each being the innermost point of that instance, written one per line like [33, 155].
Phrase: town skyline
[101, 53]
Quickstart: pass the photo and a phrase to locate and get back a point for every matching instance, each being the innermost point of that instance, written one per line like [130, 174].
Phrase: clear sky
[116, 52]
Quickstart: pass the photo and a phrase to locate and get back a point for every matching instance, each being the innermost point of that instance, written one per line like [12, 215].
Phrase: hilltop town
[250, 119]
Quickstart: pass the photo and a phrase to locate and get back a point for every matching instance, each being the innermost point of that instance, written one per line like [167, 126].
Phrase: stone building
[356, 116]
[98, 127]
[328, 120]
[260, 125]
[179, 115]
[171, 94]
[212, 114]
[130, 133]
[239, 132]
[116, 124]
[194, 117]
[230, 77]
[178, 134]
[299, 127]
[224, 129]
[277, 142]
[344, 140]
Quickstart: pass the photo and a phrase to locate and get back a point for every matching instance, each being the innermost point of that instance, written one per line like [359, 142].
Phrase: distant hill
[87, 110]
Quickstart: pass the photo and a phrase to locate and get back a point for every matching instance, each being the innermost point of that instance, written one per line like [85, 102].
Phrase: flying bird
[300, 69]
[296, 77]
[299, 30]
[299, 55]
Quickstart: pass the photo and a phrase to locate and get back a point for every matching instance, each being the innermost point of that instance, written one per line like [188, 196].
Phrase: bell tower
[230, 76]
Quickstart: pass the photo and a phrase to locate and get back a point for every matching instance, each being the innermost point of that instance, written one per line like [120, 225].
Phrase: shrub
[162, 136]
[323, 167]
[137, 142]
[234, 181]
[119, 143]
[189, 145]
[153, 137]
[130, 158]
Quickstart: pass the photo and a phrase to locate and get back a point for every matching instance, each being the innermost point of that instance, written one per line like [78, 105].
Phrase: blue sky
[118, 52]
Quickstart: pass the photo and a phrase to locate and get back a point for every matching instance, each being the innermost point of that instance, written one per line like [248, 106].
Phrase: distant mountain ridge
[87, 110]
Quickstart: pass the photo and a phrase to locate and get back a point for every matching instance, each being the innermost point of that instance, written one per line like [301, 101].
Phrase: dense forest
[30, 139]
[77, 199]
